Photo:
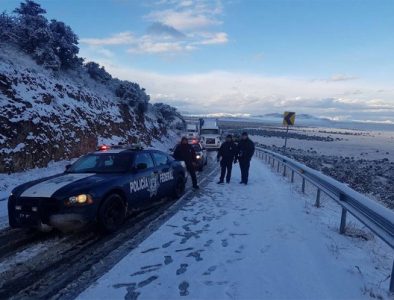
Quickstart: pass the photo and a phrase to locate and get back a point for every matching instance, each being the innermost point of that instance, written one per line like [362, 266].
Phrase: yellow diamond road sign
[288, 118]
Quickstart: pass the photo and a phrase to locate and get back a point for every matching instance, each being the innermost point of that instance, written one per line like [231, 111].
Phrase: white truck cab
[191, 130]
[210, 135]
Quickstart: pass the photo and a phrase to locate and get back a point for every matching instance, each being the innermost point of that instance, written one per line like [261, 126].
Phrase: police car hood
[63, 184]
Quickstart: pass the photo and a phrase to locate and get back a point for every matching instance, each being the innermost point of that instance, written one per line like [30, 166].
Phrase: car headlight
[80, 199]
[198, 156]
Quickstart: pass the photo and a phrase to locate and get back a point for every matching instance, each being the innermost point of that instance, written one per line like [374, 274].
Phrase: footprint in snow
[196, 255]
[182, 250]
[240, 249]
[224, 243]
[168, 244]
[210, 270]
[147, 281]
[149, 250]
[151, 266]
[144, 271]
[208, 243]
[182, 269]
[120, 285]
[183, 288]
[132, 294]
[167, 260]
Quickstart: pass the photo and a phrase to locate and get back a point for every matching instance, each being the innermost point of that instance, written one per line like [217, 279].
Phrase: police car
[201, 154]
[101, 187]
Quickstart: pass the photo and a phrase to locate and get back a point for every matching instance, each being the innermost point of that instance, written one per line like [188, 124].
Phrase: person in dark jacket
[244, 155]
[185, 152]
[226, 156]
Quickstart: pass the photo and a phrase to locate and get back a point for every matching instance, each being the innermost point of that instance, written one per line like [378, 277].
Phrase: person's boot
[196, 187]
[220, 182]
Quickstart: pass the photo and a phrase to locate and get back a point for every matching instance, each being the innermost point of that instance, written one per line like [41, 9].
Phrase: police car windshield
[102, 163]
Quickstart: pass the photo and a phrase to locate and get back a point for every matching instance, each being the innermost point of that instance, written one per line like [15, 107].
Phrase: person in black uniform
[244, 155]
[185, 152]
[226, 156]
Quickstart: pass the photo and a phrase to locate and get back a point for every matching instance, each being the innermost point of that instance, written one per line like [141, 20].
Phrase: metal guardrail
[379, 219]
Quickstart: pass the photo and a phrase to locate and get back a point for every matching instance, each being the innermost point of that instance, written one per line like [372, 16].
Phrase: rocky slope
[49, 116]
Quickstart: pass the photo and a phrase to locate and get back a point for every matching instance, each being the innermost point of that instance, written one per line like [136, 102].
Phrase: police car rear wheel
[179, 187]
[112, 213]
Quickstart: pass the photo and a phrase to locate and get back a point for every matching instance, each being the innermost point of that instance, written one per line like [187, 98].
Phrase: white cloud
[177, 26]
[341, 77]
[243, 93]
[147, 45]
[122, 38]
[187, 15]
[214, 38]
[182, 20]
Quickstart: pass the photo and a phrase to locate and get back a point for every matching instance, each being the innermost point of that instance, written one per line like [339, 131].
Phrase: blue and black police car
[101, 187]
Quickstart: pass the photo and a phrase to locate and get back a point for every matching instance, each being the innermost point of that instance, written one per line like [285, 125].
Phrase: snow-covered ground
[359, 144]
[264, 240]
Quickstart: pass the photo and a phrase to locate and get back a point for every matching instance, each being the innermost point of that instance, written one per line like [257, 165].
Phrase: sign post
[288, 120]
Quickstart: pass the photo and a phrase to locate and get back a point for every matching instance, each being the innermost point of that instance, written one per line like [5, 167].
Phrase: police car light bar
[103, 148]
[136, 146]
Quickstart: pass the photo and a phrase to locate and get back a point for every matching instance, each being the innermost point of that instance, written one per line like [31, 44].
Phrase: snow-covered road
[258, 241]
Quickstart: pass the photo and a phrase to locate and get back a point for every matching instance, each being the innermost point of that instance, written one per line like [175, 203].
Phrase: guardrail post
[292, 175]
[303, 185]
[278, 166]
[284, 170]
[317, 204]
[392, 280]
[342, 227]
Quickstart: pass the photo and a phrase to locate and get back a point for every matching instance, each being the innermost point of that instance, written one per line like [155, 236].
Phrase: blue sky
[330, 58]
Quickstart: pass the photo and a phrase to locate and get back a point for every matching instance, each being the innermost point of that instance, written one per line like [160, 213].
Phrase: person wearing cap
[185, 152]
[226, 156]
[244, 155]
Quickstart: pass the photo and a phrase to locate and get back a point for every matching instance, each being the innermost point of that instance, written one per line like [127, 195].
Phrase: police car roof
[118, 149]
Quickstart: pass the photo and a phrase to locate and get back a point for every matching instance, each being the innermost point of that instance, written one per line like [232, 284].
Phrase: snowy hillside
[46, 115]
[54, 105]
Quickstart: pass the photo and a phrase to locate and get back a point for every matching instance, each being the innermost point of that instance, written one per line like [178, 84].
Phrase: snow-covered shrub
[168, 112]
[64, 44]
[31, 27]
[7, 27]
[97, 73]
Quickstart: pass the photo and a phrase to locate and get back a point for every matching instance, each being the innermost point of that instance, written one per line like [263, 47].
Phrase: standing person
[185, 152]
[227, 153]
[245, 154]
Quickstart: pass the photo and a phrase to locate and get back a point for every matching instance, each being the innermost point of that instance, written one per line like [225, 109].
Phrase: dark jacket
[245, 150]
[186, 153]
[227, 151]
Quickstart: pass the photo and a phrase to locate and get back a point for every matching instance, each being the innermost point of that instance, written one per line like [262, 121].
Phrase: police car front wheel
[112, 213]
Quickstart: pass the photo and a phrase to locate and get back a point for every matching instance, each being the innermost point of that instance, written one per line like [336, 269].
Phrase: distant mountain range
[301, 120]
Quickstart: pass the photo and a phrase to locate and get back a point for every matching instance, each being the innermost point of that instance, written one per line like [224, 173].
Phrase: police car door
[144, 185]
[165, 172]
